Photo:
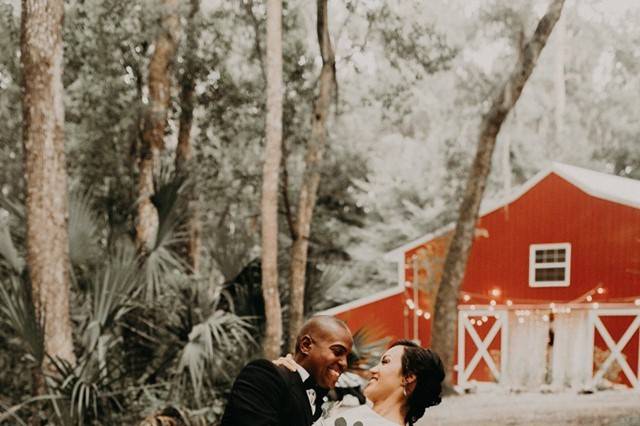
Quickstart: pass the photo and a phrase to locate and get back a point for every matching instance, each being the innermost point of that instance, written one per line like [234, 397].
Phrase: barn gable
[604, 186]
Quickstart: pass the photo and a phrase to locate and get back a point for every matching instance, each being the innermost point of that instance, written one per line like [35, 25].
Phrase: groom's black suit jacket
[268, 395]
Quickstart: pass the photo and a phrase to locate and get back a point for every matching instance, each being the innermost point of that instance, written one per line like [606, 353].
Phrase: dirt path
[613, 408]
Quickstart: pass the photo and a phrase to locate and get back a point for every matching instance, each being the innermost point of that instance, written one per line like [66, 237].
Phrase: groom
[268, 395]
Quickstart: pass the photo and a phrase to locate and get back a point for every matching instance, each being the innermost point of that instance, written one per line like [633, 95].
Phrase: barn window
[549, 265]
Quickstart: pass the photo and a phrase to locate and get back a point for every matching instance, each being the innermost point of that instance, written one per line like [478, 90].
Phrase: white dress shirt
[311, 394]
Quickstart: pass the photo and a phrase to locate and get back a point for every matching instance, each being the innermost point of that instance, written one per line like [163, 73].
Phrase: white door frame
[616, 348]
[464, 326]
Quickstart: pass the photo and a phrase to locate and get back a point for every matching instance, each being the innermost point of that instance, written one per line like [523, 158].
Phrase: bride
[406, 381]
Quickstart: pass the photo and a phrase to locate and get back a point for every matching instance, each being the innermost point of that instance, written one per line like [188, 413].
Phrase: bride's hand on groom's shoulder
[286, 361]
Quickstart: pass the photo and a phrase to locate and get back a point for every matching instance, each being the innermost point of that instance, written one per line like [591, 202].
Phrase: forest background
[168, 322]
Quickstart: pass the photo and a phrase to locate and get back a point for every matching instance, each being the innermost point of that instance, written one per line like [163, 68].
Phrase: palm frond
[17, 311]
[216, 337]
[15, 208]
[168, 200]
[367, 348]
[162, 259]
[84, 230]
[211, 345]
[113, 288]
[8, 250]
[86, 387]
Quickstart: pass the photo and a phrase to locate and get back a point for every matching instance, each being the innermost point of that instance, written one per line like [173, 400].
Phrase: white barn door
[480, 348]
[615, 347]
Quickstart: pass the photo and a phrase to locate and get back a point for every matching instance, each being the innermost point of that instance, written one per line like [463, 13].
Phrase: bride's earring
[404, 389]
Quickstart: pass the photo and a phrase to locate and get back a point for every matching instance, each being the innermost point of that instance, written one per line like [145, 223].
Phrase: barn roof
[597, 184]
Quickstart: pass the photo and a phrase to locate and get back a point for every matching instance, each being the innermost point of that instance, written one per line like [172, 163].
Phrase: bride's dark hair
[427, 367]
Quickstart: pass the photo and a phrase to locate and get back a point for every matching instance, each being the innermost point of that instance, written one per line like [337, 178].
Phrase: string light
[419, 312]
[484, 318]
[472, 307]
[595, 305]
[410, 304]
[589, 298]
[492, 303]
[545, 318]
[637, 302]
[509, 303]
[600, 290]
[427, 316]
[472, 321]
[466, 297]
[496, 292]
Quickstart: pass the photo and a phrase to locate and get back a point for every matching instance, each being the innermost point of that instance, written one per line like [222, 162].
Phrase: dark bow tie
[311, 384]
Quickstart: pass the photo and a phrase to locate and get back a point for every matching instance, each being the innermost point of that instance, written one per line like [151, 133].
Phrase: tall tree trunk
[191, 247]
[270, 172]
[445, 320]
[559, 86]
[311, 176]
[155, 118]
[45, 171]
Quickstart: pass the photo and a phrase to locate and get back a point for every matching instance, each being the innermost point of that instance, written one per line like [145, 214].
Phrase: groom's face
[327, 355]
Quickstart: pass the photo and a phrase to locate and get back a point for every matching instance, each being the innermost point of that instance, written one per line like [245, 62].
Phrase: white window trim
[566, 265]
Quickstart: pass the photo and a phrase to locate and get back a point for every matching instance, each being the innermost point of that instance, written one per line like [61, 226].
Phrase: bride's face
[386, 377]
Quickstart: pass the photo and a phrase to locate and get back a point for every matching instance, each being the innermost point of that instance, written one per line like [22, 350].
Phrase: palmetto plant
[214, 340]
[367, 349]
[121, 300]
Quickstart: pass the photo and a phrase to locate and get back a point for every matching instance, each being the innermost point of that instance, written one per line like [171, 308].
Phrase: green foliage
[197, 341]
[412, 81]
[17, 312]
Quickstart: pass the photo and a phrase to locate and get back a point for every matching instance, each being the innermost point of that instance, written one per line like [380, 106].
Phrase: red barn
[551, 293]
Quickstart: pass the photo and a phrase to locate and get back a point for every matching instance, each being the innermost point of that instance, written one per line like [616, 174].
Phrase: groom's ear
[306, 342]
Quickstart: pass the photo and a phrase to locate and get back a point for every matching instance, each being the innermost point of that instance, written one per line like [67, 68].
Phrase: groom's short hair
[319, 325]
